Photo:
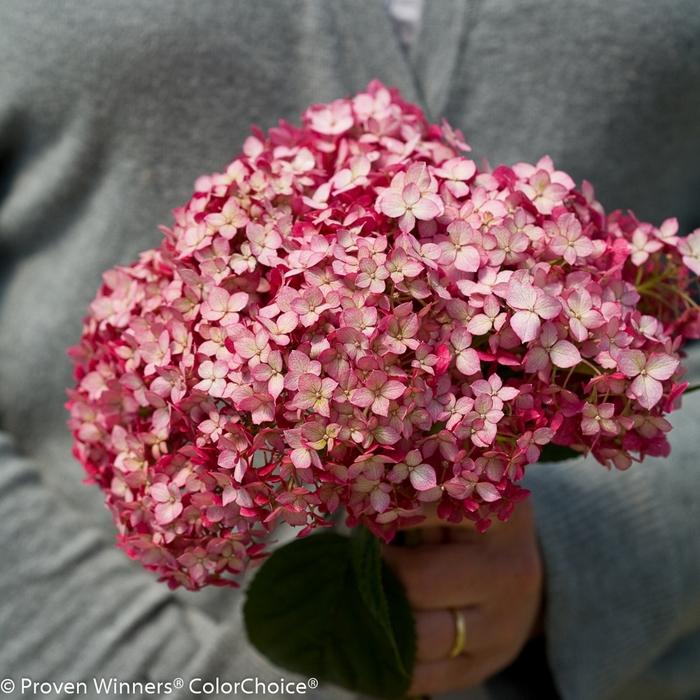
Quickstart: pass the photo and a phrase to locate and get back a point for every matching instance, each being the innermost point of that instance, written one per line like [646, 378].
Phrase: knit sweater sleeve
[622, 560]
[73, 608]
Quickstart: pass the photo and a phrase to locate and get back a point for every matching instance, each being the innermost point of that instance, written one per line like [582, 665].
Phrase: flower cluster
[355, 316]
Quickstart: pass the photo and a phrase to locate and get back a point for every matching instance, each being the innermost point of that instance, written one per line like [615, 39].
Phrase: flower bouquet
[354, 318]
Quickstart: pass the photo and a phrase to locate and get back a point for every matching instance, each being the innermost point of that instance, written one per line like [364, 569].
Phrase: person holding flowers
[366, 308]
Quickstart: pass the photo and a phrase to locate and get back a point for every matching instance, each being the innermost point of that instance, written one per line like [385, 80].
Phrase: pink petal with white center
[411, 194]
[398, 473]
[160, 492]
[460, 339]
[537, 358]
[647, 390]
[246, 347]
[468, 259]
[488, 492]
[392, 204]
[606, 410]
[276, 385]
[94, 384]
[468, 362]
[590, 426]
[243, 498]
[261, 410]
[565, 354]
[548, 335]
[327, 386]
[480, 324]
[418, 173]
[578, 330]
[661, 366]
[526, 325]
[639, 257]
[386, 435]
[407, 222]
[264, 413]
[380, 406]
[631, 362]
[593, 319]
[228, 459]
[287, 322]
[423, 477]
[167, 512]
[412, 268]
[542, 436]
[237, 301]
[692, 263]
[362, 397]
[458, 189]
[508, 393]
[569, 255]
[218, 299]
[428, 207]
[380, 500]
[301, 458]
[521, 296]
[298, 362]
[481, 386]
[218, 388]
[668, 229]
[689, 248]
[229, 495]
[547, 307]
[393, 389]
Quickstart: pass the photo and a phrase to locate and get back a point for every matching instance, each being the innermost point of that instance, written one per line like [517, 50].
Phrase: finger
[466, 529]
[454, 674]
[432, 520]
[521, 518]
[436, 632]
[432, 534]
[453, 575]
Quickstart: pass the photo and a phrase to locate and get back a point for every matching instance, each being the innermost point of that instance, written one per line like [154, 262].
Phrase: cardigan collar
[423, 75]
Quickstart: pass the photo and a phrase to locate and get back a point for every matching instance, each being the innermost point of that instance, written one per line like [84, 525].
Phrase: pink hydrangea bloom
[648, 372]
[531, 305]
[690, 250]
[353, 315]
[411, 196]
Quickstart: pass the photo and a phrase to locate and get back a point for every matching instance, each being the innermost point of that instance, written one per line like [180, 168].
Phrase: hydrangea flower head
[353, 316]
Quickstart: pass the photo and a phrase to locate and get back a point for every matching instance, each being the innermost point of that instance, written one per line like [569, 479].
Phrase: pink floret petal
[354, 316]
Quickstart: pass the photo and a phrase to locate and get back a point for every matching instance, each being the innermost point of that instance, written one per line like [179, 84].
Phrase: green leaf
[326, 606]
[557, 453]
[375, 581]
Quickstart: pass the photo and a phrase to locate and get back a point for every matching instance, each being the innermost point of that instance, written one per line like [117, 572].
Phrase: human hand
[493, 579]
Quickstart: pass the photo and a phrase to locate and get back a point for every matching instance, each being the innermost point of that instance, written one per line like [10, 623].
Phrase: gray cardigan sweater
[109, 110]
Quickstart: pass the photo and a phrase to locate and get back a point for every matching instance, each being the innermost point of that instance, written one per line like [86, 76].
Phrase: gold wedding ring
[460, 633]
